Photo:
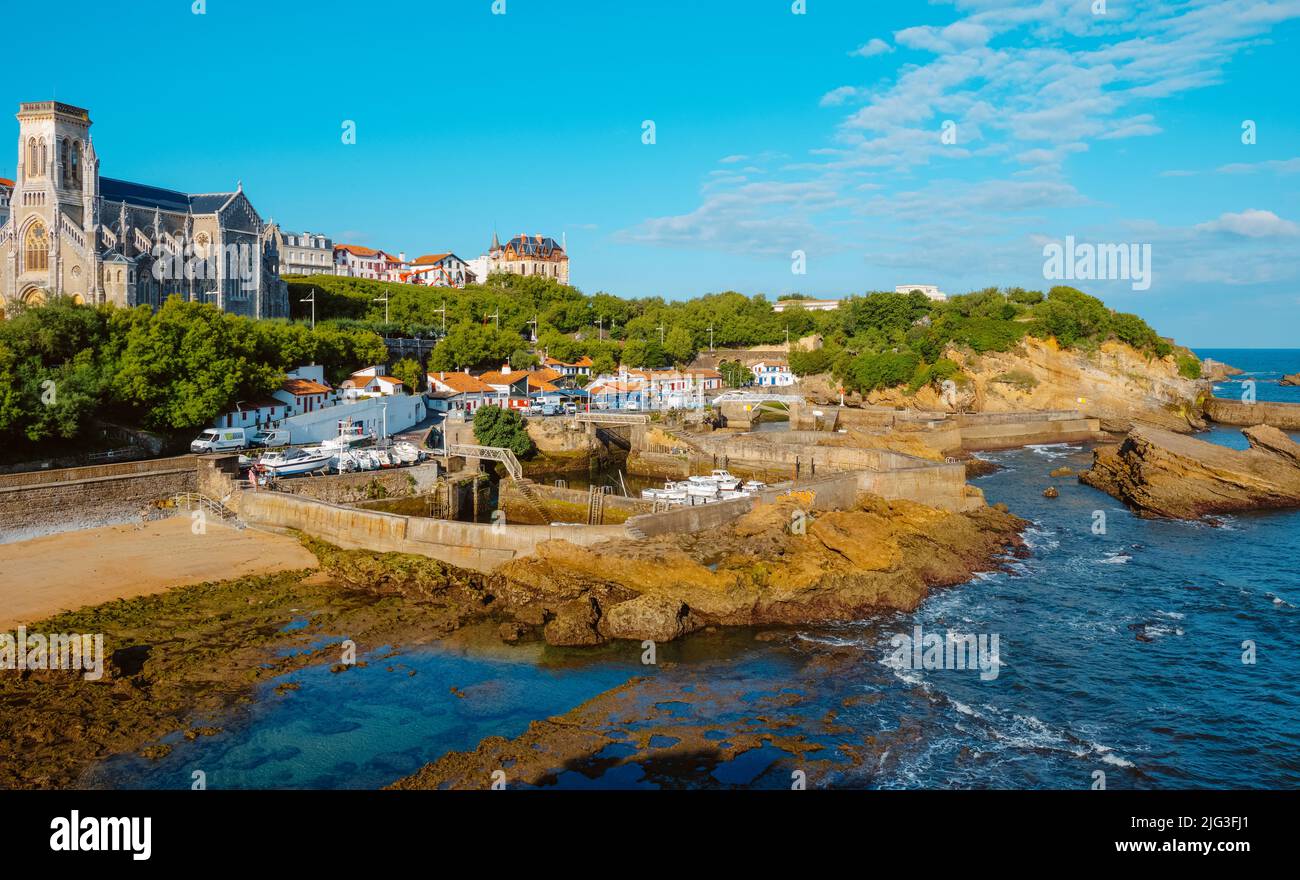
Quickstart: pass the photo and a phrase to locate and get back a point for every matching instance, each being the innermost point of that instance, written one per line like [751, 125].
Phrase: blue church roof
[143, 196]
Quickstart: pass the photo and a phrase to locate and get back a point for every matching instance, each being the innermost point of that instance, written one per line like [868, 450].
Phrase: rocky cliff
[1116, 384]
[1159, 473]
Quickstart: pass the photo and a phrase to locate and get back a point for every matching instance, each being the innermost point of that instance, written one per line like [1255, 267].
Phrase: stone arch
[32, 296]
[78, 299]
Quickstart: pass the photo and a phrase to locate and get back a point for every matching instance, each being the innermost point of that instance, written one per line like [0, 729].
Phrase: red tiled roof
[461, 383]
[583, 361]
[357, 250]
[496, 377]
[431, 259]
[4, 181]
[299, 387]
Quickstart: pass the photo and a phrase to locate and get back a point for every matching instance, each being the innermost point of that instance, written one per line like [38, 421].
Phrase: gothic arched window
[65, 161]
[33, 159]
[74, 167]
[36, 249]
[45, 156]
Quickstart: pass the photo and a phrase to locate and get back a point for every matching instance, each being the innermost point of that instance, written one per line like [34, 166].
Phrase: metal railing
[488, 453]
[190, 501]
[610, 418]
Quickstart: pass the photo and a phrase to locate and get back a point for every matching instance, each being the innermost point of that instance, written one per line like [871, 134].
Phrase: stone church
[66, 231]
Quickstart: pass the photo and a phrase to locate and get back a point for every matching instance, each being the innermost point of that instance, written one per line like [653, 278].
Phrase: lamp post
[311, 299]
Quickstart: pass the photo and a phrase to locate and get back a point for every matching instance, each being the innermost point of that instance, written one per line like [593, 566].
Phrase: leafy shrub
[1189, 367]
[1021, 379]
[808, 363]
[494, 426]
[871, 371]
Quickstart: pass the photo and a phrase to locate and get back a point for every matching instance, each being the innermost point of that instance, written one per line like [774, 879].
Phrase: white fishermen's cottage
[305, 389]
[772, 373]
[579, 369]
[461, 392]
[360, 385]
[253, 414]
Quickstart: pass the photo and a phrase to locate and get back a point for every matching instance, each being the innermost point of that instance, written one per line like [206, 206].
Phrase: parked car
[221, 440]
[570, 409]
[549, 409]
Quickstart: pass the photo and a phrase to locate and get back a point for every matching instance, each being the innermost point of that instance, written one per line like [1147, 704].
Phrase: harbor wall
[364, 485]
[45, 502]
[1010, 433]
[469, 545]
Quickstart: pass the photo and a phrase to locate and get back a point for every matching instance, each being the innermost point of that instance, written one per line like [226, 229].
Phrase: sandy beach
[73, 569]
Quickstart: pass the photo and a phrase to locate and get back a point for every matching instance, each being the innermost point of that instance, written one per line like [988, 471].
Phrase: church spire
[496, 242]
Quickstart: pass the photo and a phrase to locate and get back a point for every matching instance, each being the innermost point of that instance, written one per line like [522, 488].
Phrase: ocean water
[1121, 661]
[1264, 365]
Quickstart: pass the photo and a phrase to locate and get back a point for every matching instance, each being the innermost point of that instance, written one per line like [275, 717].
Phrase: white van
[221, 440]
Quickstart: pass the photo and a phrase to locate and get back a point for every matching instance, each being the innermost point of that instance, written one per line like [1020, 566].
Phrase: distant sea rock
[1293, 379]
[1160, 473]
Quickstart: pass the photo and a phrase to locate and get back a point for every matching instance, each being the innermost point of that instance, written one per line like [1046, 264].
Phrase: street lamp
[311, 299]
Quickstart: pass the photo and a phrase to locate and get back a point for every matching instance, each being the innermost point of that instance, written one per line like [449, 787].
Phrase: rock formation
[773, 565]
[1293, 379]
[1159, 473]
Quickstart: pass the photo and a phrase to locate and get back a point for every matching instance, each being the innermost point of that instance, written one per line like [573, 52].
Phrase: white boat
[407, 453]
[293, 461]
[726, 482]
[753, 486]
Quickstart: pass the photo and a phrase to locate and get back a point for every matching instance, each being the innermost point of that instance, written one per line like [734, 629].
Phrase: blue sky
[775, 132]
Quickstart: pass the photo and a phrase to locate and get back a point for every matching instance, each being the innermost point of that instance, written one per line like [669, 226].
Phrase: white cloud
[836, 97]
[1278, 166]
[955, 37]
[875, 46]
[1252, 223]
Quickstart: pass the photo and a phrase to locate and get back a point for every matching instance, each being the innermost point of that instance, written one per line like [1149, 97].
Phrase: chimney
[505, 369]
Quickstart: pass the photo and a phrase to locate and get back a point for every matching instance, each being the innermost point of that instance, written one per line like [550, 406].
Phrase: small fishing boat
[294, 461]
[406, 453]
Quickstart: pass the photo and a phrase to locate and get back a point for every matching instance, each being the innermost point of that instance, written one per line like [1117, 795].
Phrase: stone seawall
[469, 545]
[90, 498]
[1008, 434]
[91, 472]
[1285, 416]
[364, 486]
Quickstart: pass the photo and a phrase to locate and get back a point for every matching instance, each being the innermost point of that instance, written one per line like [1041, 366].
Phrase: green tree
[409, 371]
[494, 426]
[477, 346]
[679, 346]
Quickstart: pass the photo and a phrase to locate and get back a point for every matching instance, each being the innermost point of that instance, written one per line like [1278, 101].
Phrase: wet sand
[69, 570]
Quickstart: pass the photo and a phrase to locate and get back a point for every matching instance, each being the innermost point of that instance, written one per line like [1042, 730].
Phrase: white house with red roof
[366, 384]
[579, 369]
[772, 373]
[463, 392]
[356, 261]
[440, 270]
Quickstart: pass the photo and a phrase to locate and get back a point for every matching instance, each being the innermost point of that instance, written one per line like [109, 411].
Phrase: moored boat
[294, 461]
